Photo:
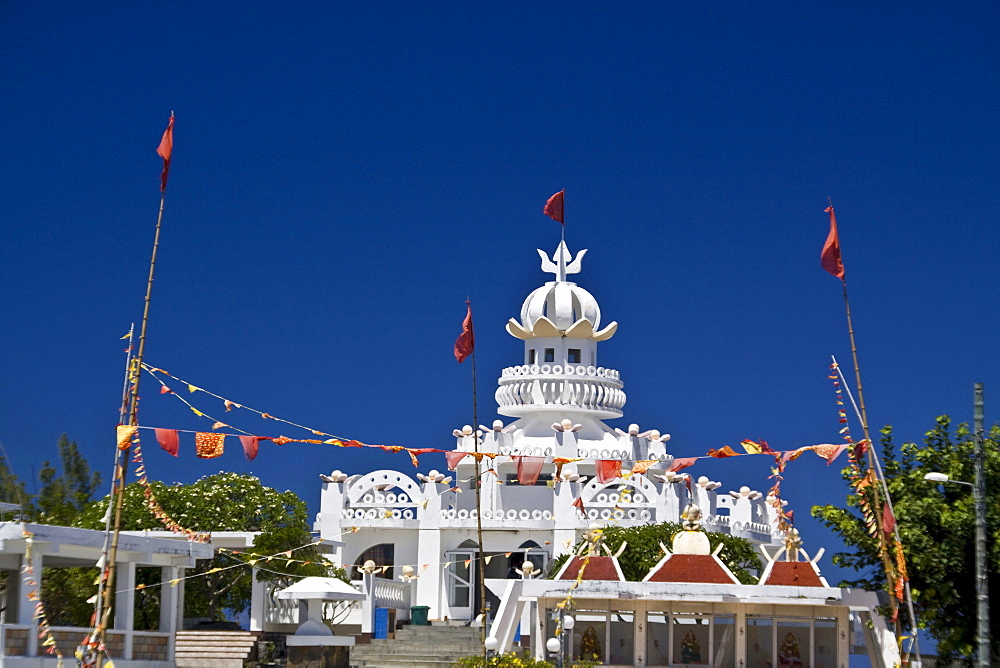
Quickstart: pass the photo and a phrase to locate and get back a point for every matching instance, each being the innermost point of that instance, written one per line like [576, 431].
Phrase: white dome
[560, 308]
[564, 304]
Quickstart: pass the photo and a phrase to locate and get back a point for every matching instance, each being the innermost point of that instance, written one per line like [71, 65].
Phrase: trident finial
[561, 263]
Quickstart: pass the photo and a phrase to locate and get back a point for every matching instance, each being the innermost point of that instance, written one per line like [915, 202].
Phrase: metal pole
[984, 653]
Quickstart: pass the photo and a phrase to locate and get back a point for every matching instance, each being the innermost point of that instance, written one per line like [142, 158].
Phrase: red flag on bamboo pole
[164, 150]
[554, 207]
[830, 257]
[466, 341]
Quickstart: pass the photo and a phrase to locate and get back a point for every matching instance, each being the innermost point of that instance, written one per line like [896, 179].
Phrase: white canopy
[323, 589]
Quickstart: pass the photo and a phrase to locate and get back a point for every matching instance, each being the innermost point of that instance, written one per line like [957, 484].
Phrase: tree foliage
[225, 502]
[65, 492]
[643, 550]
[937, 529]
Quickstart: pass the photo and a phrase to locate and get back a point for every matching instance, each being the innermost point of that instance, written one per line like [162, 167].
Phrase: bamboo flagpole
[165, 151]
[465, 346]
[832, 261]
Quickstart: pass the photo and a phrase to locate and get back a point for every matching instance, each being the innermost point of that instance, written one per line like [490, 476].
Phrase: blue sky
[346, 174]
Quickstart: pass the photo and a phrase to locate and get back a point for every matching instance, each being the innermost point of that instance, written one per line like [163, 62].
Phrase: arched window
[383, 554]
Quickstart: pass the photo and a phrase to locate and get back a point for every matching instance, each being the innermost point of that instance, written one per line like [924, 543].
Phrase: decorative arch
[384, 488]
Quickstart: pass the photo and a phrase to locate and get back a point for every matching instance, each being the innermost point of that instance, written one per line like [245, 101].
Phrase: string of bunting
[210, 444]
[31, 585]
[865, 482]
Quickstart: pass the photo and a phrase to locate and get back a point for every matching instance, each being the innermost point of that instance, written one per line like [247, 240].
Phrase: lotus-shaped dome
[561, 308]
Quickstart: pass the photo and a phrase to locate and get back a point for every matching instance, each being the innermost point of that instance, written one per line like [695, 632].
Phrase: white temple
[689, 609]
[560, 396]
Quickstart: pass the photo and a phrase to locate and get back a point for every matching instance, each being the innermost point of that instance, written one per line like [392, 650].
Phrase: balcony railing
[533, 388]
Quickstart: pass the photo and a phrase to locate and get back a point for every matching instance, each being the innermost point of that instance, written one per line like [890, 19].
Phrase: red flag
[608, 470]
[168, 440]
[888, 520]
[466, 341]
[554, 207]
[165, 149]
[578, 504]
[528, 469]
[682, 463]
[830, 257]
[250, 444]
[454, 458]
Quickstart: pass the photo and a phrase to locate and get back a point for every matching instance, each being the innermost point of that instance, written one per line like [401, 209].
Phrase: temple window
[574, 356]
[531, 356]
[382, 554]
[550, 354]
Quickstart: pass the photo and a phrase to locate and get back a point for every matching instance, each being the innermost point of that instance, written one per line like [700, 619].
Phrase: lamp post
[983, 650]
[491, 644]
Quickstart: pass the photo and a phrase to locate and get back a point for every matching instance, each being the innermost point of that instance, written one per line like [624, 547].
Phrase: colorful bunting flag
[528, 469]
[208, 445]
[168, 440]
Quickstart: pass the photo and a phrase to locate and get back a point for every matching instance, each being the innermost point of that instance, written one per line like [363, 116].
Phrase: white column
[565, 516]
[258, 602]
[125, 603]
[170, 603]
[430, 583]
[368, 604]
[741, 636]
[25, 606]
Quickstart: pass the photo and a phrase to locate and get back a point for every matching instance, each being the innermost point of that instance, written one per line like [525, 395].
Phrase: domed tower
[560, 378]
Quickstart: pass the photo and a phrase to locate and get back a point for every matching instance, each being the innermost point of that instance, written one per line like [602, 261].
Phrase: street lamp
[491, 644]
[983, 652]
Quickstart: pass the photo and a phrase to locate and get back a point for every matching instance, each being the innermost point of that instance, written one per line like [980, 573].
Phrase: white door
[460, 577]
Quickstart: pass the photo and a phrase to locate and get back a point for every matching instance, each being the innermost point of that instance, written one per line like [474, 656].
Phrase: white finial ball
[654, 435]
[703, 480]
[566, 423]
[434, 473]
[497, 425]
[369, 565]
[467, 430]
[336, 474]
[633, 430]
[594, 526]
[491, 644]
[527, 567]
[407, 571]
[553, 645]
[744, 490]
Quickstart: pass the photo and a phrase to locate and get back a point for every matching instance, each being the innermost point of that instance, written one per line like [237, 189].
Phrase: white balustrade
[594, 389]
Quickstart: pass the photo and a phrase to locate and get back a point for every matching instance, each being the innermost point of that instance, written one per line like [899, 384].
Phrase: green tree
[936, 526]
[11, 489]
[643, 550]
[64, 494]
[225, 502]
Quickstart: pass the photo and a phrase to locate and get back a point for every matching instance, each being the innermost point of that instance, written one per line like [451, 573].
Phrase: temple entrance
[460, 583]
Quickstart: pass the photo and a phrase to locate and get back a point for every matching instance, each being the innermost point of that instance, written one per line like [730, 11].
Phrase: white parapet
[528, 389]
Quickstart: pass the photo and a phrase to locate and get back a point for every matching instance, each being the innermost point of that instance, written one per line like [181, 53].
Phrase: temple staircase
[419, 647]
[213, 649]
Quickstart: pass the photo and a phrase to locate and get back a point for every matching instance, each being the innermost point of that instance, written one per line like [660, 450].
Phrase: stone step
[206, 652]
[209, 663]
[419, 652]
